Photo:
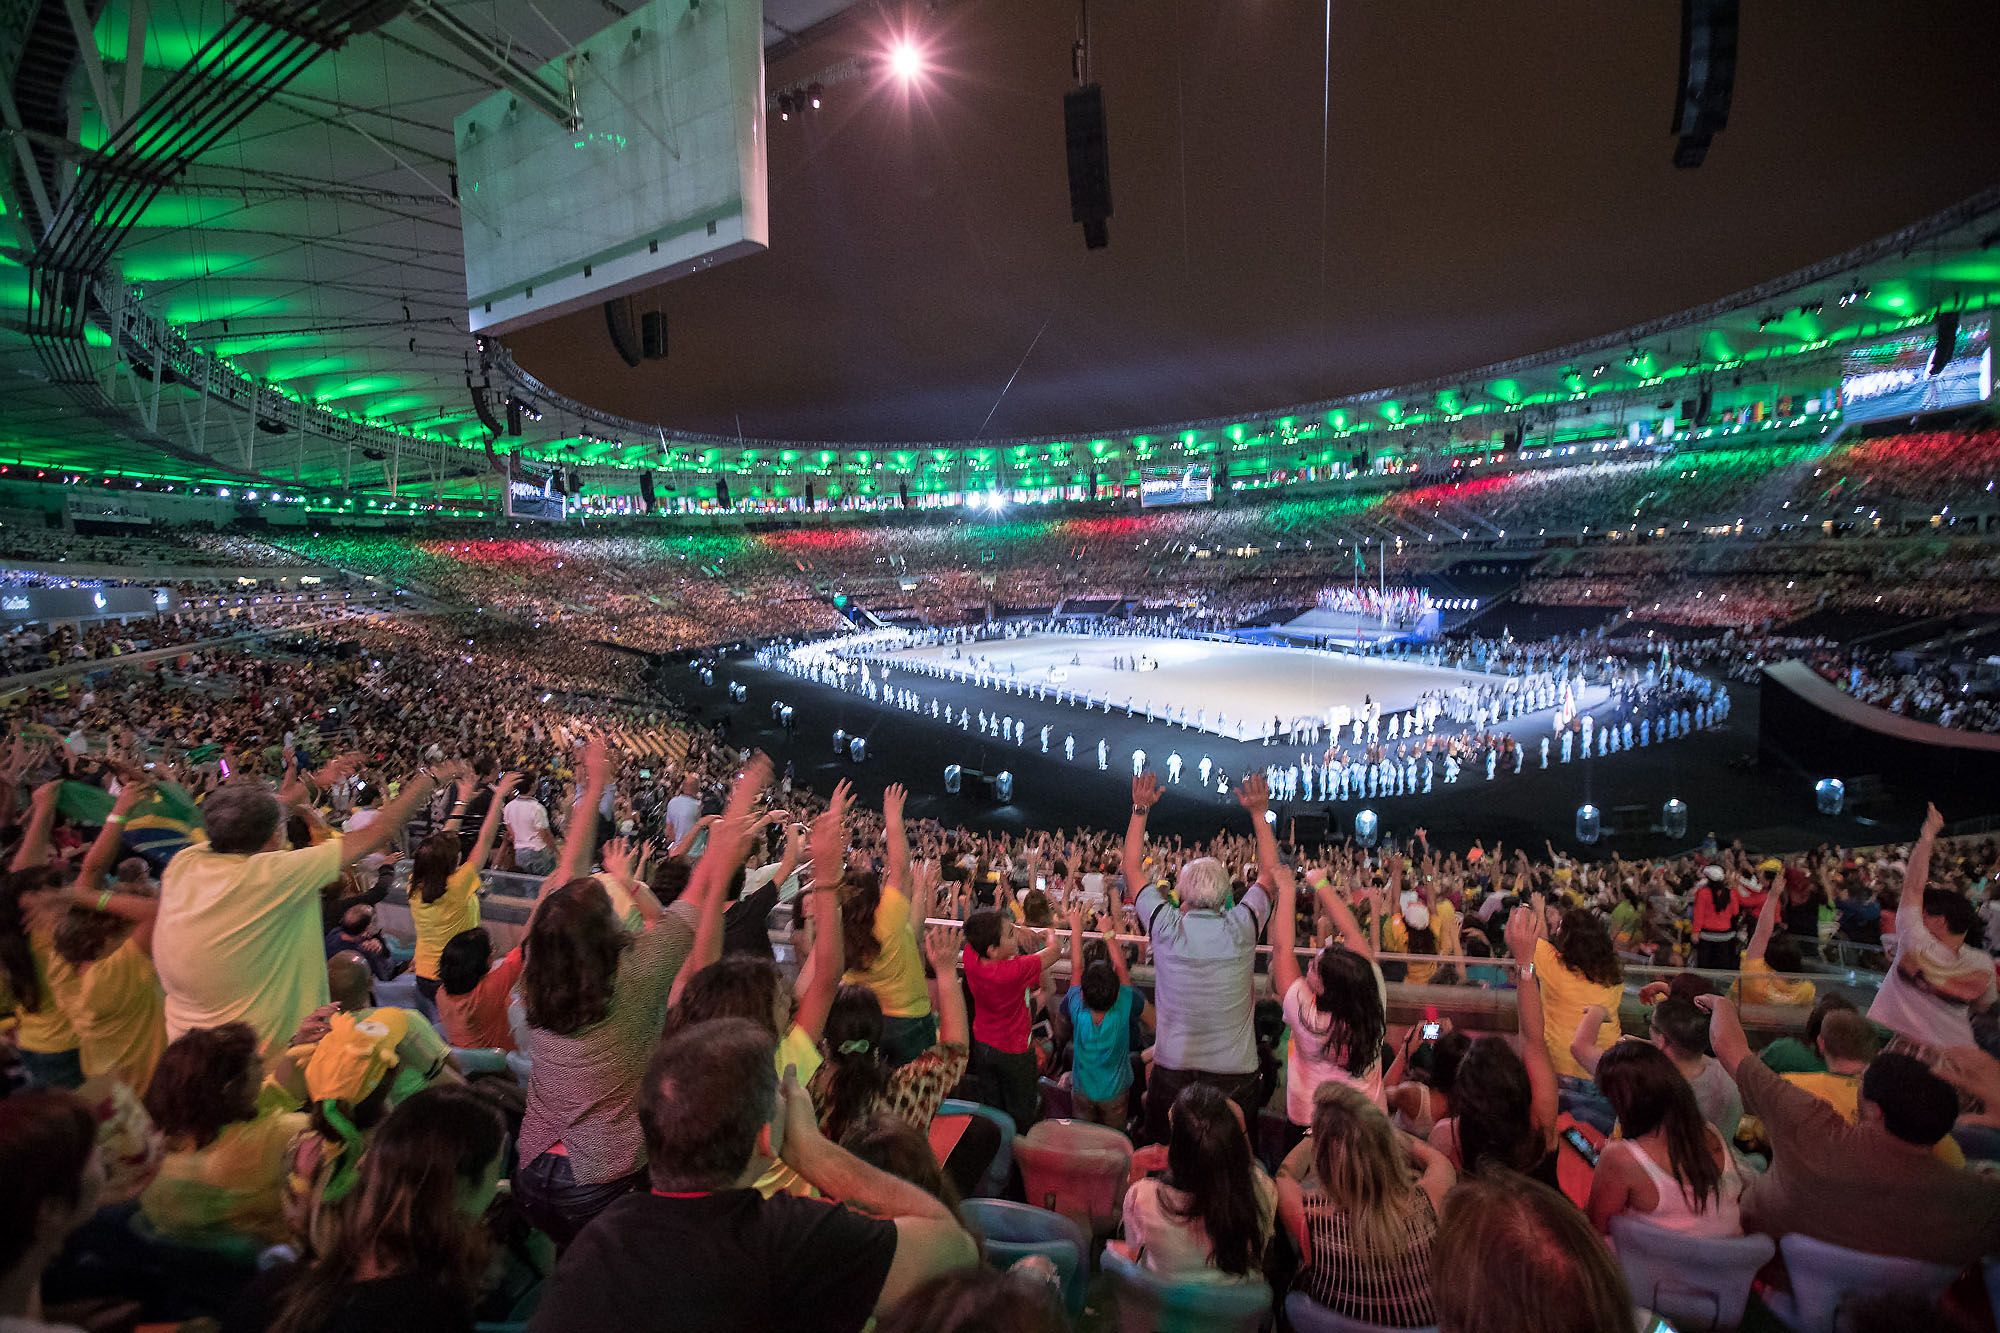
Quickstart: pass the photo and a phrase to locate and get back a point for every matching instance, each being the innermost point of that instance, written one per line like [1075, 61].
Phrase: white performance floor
[1250, 683]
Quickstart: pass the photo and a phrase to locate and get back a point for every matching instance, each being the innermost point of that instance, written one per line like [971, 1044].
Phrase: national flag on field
[157, 829]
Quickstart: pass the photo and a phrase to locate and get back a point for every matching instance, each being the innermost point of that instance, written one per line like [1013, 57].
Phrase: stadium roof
[1495, 183]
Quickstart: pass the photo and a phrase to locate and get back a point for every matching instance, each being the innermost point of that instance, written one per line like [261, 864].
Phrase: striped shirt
[584, 1090]
[1395, 1293]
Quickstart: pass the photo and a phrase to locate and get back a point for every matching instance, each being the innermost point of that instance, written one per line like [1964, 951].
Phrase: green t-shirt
[1789, 1055]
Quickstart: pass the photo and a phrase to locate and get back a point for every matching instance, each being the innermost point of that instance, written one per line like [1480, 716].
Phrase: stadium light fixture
[906, 61]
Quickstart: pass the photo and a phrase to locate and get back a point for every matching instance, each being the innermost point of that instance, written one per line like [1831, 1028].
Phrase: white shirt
[683, 812]
[527, 823]
[1309, 1064]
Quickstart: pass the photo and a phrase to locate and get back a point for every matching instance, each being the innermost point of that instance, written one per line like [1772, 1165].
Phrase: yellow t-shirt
[897, 974]
[797, 1051]
[239, 938]
[456, 910]
[1444, 930]
[1761, 986]
[1565, 995]
[47, 1031]
[234, 1186]
[1843, 1093]
[121, 1022]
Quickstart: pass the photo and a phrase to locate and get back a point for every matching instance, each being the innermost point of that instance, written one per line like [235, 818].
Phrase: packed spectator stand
[290, 923]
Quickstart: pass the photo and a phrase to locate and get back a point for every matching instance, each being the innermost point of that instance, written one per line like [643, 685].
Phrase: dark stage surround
[1710, 771]
[1806, 721]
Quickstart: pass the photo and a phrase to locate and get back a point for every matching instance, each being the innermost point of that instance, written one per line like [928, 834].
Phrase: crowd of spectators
[710, 1083]
[250, 1067]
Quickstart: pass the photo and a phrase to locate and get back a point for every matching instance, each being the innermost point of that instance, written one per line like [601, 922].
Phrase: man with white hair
[1204, 946]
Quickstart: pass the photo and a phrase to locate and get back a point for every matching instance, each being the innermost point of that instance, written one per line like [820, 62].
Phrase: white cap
[1417, 916]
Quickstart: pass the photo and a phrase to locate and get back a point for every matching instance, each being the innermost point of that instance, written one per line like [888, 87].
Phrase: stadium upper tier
[167, 410]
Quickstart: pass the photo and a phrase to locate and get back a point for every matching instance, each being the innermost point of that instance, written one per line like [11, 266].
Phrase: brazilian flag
[155, 830]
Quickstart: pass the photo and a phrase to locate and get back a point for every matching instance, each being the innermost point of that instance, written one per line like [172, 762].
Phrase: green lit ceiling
[315, 250]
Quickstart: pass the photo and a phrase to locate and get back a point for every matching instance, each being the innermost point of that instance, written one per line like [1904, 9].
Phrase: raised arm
[580, 839]
[489, 828]
[694, 831]
[415, 794]
[929, 1240]
[1145, 795]
[1767, 920]
[1725, 1032]
[1917, 874]
[1284, 933]
[1255, 796]
[728, 842]
[1583, 1046]
[34, 848]
[943, 946]
[1524, 927]
[1337, 912]
[897, 841]
[829, 947]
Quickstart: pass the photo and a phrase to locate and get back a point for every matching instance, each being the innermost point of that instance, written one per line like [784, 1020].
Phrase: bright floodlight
[906, 61]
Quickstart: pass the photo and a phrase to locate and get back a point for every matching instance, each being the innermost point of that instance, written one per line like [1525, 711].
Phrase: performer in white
[1138, 762]
[1103, 756]
[1045, 743]
[1069, 748]
[1203, 769]
[1174, 767]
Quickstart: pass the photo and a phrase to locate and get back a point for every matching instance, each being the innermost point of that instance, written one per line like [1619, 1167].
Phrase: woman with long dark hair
[1575, 970]
[1362, 1203]
[1670, 1167]
[1212, 1215]
[1339, 1015]
[880, 917]
[408, 1248]
[858, 1082]
[1504, 1109]
[444, 886]
[596, 995]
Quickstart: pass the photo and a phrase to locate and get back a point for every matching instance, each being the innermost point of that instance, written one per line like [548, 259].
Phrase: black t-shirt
[471, 818]
[405, 1303]
[725, 1261]
[746, 923]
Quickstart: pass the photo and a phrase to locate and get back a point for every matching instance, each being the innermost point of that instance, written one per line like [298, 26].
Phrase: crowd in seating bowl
[767, 1056]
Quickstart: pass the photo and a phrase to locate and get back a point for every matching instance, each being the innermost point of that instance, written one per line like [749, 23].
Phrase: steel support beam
[501, 68]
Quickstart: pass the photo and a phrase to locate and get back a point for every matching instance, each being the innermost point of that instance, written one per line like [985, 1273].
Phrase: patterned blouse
[915, 1089]
[1396, 1294]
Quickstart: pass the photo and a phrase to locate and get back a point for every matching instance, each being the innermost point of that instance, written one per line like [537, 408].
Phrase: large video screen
[1893, 378]
[1192, 484]
[536, 497]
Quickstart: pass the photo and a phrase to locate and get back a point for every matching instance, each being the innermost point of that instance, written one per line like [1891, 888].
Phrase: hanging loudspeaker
[483, 408]
[722, 492]
[653, 335]
[646, 495]
[1089, 163]
[618, 323]
[1708, 76]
